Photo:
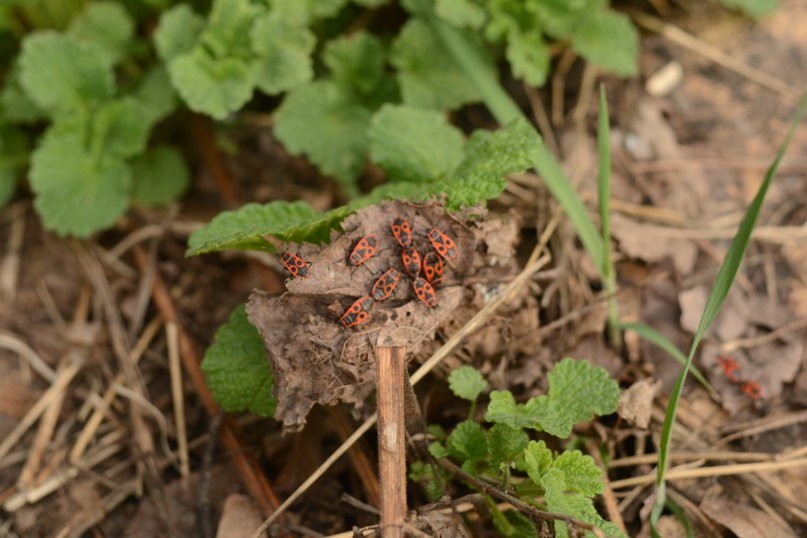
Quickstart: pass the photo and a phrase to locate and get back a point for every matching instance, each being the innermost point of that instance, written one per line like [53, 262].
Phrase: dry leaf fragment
[636, 402]
[743, 520]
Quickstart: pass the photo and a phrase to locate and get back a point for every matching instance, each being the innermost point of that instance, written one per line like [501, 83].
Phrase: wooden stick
[390, 364]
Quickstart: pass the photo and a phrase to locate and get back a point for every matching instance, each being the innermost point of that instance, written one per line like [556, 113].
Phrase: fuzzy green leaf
[468, 442]
[244, 228]
[120, 129]
[160, 176]
[236, 368]
[514, 524]
[582, 474]
[505, 444]
[228, 32]
[178, 31]
[424, 474]
[438, 450]
[322, 122]
[467, 383]
[608, 39]
[528, 55]
[414, 145]
[107, 26]
[538, 459]
[15, 105]
[77, 194]
[60, 74]
[155, 95]
[13, 158]
[753, 8]
[285, 53]
[356, 62]
[461, 13]
[503, 409]
[427, 74]
[559, 499]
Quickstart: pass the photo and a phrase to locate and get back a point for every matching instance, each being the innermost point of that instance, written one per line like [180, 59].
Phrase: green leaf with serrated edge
[561, 18]
[582, 474]
[15, 105]
[356, 61]
[155, 95]
[467, 383]
[753, 8]
[329, 127]
[76, 194]
[13, 159]
[438, 450]
[428, 76]
[284, 52]
[538, 459]
[215, 87]
[107, 26]
[505, 444]
[528, 55]
[608, 39]
[244, 228]
[120, 129]
[228, 31]
[573, 504]
[514, 524]
[236, 368]
[178, 31]
[60, 74]
[424, 474]
[461, 13]
[411, 144]
[468, 442]
[160, 176]
[503, 409]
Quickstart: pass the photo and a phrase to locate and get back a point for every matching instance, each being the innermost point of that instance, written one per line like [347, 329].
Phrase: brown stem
[390, 364]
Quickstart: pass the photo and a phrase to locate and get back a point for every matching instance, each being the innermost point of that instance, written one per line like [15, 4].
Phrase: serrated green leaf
[120, 129]
[468, 442]
[15, 105]
[538, 460]
[356, 61]
[503, 409]
[467, 383]
[753, 8]
[329, 127]
[215, 87]
[75, 193]
[155, 95]
[438, 450]
[461, 13]
[608, 39]
[285, 54]
[428, 76]
[13, 158]
[60, 74]
[236, 368]
[424, 474]
[581, 473]
[160, 176]
[178, 31]
[561, 18]
[573, 504]
[417, 145]
[107, 26]
[244, 228]
[505, 444]
[528, 55]
[228, 31]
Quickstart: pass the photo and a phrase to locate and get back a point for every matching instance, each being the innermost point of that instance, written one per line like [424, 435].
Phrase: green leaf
[120, 129]
[538, 459]
[236, 368]
[215, 87]
[503, 409]
[438, 450]
[754, 8]
[356, 62]
[573, 504]
[13, 158]
[414, 145]
[563, 407]
[107, 26]
[428, 76]
[514, 524]
[461, 13]
[424, 474]
[528, 55]
[582, 474]
[160, 176]
[468, 442]
[75, 193]
[467, 383]
[178, 31]
[505, 444]
[322, 122]
[285, 54]
[155, 95]
[60, 74]
[228, 32]
[244, 228]
[608, 39]
[15, 105]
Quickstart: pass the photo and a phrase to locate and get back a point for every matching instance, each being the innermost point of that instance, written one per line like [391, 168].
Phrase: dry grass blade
[10, 342]
[178, 396]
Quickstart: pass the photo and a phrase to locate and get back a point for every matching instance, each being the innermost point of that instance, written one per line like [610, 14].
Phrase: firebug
[366, 248]
[443, 244]
[433, 268]
[402, 231]
[752, 390]
[385, 286]
[729, 367]
[425, 292]
[295, 265]
[411, 261]
[358, 312]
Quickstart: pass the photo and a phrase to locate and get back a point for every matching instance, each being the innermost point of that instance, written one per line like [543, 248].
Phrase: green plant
[504, 455]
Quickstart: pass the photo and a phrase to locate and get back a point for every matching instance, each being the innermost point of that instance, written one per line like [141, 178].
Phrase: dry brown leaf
[239, 518]
[643, 243]
[636, 402]
[743, 520]
[441, 523]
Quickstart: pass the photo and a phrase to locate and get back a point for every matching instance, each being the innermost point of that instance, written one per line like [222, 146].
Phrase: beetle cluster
[431, 266]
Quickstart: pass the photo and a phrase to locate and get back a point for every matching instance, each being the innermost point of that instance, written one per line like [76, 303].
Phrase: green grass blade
[720, 288]
[660, 341]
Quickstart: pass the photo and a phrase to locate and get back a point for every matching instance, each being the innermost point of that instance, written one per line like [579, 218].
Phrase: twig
[518, 504]
[772, 336]
[205, 523]
[11, 342]
[10, 266]
[390, 365]
[178, 396]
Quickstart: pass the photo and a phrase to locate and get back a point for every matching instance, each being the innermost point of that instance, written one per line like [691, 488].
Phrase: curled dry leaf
[636, 402]
[315, 359]
[743, 520]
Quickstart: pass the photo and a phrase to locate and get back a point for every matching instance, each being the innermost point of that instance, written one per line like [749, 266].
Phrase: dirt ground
[93, 333]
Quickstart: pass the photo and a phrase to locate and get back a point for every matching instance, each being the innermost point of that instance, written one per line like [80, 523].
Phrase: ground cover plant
[410, 228]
